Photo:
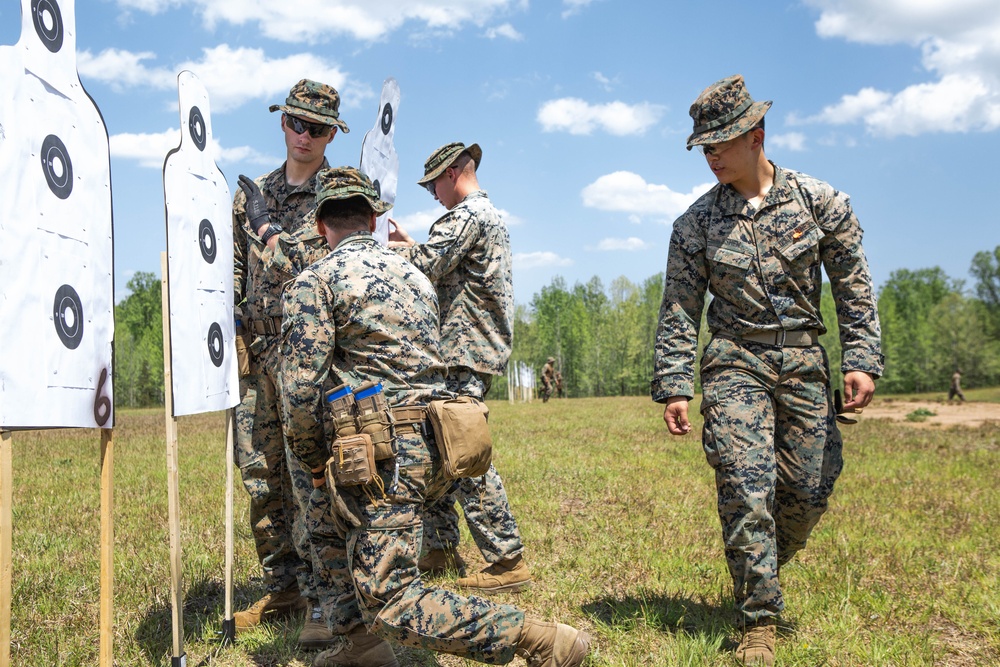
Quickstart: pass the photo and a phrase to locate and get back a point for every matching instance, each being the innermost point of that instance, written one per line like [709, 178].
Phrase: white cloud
[623, 191]
[576, 116]
[574, 7]
[534, 260]
[420, 221]
[506, 30]
[630, 244]
[324, 21]
[793, 141]
[606, 83]
[959, 41]
[150, 149]
[509, 218]
[232, 76]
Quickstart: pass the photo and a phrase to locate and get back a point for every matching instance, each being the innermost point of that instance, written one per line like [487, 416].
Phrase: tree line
[603, 336]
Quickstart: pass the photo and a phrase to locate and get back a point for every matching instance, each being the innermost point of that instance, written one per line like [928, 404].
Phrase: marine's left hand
[859, 388]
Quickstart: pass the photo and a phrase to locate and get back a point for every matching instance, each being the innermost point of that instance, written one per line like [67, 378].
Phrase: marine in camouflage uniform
[363, 314]
[548, 379]
[467, 257]
[275, 237]
[758, 241]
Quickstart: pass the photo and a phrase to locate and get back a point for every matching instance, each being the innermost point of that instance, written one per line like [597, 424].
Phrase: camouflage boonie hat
[724, 111]
[551, 360]
[315, 102]
[442, 158]
[347, 182]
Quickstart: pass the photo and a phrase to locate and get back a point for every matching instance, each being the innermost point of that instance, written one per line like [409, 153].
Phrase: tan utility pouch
[462, 435]
[352, 460]
[242, 355]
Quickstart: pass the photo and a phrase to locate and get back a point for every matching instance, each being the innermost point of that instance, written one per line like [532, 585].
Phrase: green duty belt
[779, 338]
[269, 326]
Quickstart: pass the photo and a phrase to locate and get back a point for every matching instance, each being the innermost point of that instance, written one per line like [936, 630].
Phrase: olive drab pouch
[374, 419]
[463, 436]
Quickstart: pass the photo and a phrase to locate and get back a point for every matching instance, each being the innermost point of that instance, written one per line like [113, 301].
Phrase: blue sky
[580, 106]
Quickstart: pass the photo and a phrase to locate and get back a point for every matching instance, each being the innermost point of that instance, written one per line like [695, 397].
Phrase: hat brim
[378, 205]
[310, 116]
[474, 151]
[741, 125]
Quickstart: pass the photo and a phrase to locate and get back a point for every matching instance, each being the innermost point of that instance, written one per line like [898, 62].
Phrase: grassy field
[621, 535]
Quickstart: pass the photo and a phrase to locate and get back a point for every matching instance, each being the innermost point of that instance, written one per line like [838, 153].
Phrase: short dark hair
[348, 214]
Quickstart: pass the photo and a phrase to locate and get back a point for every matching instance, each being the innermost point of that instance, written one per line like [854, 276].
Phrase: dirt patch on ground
[946, 414]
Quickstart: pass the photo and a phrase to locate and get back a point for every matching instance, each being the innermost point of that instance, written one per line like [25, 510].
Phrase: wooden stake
[6, 535]
[107, 547]
[173, 504]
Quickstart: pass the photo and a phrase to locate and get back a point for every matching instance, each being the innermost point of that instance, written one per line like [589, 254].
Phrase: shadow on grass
[204, 608]
[665, 613]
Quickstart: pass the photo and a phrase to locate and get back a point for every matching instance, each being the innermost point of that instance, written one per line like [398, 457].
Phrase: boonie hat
[315, 102]
[442, 158]
[551, 360]
[347, 182]
[724, 111]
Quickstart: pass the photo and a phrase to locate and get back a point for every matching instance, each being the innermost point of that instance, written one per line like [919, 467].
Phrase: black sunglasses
[299, 126]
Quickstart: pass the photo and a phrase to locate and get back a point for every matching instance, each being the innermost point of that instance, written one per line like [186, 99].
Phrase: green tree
[986, 270]
[139, 344]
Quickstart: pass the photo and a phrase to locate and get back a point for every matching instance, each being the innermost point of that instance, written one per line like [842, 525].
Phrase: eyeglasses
[298, 126]
[431, 188]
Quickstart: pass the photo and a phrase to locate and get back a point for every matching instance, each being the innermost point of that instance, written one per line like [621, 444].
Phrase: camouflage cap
[347, 182]
[551, 360]
[724, 111]
[442, 158]
[315, 102]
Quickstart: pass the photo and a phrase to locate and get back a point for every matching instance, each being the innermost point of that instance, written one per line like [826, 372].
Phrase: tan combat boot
[551, 644]
[314, 633]
[272, 605]
[757, 645]
[508, 576]
[358, 649]
[439, 561]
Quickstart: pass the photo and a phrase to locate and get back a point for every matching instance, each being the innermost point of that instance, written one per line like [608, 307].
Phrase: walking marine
[365, 319]
[758, 241]
[467, 257]
[275, 237]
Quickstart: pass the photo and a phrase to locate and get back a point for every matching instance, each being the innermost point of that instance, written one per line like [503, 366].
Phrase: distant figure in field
[559, 386]
[548, 379]
[956, 385]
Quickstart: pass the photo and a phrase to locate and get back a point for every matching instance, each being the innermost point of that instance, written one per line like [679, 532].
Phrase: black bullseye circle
[215, 349]
[67, 315]
[386, 118]
[196, 126]
[378, 188]
[47, 18]
[206, 241]
[57, 166]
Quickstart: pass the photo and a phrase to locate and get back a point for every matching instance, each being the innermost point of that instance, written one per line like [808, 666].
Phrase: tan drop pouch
[352, 460]
[462, 435]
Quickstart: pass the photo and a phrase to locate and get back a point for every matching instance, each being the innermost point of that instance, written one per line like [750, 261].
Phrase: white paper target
[199, 263]
[378, 154]
[56, 259]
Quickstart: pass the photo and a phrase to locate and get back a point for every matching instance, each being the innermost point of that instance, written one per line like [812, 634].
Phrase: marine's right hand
[256, 206]
[676, 415]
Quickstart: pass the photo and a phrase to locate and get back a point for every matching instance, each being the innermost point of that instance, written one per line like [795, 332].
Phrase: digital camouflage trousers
[771, 436]
[371, 572]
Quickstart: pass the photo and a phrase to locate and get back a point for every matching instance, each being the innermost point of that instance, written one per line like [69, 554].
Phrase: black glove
[256, 206]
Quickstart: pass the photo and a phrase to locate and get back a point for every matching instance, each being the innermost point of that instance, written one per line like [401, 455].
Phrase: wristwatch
[273, 229]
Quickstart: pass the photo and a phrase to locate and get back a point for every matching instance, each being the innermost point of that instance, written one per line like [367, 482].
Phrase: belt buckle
[779, 341]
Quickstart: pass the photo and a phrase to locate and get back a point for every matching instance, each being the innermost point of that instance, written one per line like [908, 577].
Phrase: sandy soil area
[945, 414]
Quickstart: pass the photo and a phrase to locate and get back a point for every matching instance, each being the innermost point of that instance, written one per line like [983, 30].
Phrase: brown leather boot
[314, 633]
[757, 645]
[551, 644]
[358, 649]
[508, 576]
[272, 605]
[439, 561]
